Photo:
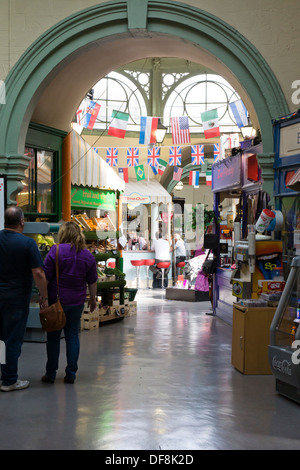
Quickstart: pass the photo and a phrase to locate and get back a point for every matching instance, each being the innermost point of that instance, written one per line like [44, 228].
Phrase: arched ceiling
[63, 90]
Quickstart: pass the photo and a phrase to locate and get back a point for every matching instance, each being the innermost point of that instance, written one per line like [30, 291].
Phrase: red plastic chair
[180, 265]
[137, 263]
[148, 263]
[163, 265]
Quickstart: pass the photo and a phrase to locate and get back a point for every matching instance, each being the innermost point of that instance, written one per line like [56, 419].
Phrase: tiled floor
[159, 380]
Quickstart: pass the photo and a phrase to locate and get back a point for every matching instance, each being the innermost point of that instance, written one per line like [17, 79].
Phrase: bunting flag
[208, 178]
[239, 112]
[194, 178]
[112, 156]
[123, 173]
[154, 169]
[216, 152]
[210, 122]
[91, 115]
[177, 173]
[148, 130]
[197, 153]
[96, 149]
[180, 130]
[175, 156]
[139, 172]
[153, 156]
[228, 142]
[132, 156]
[162, 165]
[118, 124]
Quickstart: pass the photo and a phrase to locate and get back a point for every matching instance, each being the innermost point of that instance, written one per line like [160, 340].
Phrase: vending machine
[284, 348]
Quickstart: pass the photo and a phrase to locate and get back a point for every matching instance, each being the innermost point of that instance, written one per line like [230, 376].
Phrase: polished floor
[161, 380]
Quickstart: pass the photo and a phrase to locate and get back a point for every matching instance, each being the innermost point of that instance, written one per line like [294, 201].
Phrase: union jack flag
[197, 154]
[153, 156]
[132, 156]
[216, 152]
[112, 156]
[175, 156]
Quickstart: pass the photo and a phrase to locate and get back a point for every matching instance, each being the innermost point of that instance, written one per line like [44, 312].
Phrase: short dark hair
[13, 216]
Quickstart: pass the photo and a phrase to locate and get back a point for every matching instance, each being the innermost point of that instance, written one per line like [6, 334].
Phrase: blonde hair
[71, 233]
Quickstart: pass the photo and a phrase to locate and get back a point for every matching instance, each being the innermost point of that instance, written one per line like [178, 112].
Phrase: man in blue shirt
[20, 264]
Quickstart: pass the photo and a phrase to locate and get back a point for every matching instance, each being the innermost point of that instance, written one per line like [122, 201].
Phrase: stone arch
[139, 28]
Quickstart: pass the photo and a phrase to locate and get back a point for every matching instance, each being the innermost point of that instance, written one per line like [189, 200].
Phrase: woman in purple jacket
[77, 270]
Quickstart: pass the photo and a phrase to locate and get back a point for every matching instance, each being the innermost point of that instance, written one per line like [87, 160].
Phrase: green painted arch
[132, 19]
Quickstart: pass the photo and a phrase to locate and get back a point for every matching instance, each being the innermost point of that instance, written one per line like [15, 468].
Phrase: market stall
[249, 256]
[146, 210]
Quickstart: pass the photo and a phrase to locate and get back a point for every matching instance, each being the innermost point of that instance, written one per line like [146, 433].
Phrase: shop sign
[92, 198]
[227, 173]
[135, 199]
[289, 140]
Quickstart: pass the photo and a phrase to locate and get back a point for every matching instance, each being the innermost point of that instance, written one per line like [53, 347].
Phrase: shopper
[21, 263]
[161, 248]
[180, 250]
[77, 270]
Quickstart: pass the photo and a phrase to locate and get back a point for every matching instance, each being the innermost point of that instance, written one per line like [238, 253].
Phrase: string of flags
[180, 136]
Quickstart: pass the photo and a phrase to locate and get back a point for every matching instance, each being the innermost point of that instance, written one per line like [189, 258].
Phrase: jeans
[13, 320]
[71, 330]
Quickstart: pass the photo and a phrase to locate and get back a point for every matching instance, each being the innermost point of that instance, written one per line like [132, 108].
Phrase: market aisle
[160, 380]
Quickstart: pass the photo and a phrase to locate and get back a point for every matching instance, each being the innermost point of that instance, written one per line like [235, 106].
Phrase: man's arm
[41, 283]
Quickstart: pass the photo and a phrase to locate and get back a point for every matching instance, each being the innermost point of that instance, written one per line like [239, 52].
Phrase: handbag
[53, 318]
[210, 265]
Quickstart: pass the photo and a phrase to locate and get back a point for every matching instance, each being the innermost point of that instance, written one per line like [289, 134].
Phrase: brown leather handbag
[53, 318]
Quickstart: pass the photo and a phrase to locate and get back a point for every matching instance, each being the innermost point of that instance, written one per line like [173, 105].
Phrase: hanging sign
[2, 200]
[289, 140]
[92, 198]
[227, 173]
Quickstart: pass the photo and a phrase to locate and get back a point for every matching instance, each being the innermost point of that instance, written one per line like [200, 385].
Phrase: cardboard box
[241, 289]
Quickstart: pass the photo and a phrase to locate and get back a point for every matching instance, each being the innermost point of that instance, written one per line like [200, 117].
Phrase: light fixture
[179, 186]
[161, 132]
[248, 131]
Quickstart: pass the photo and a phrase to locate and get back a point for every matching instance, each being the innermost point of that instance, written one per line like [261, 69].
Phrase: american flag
[132, 156]
[177, 173]
[112, 156]
[153, 156]
[175, 156]
[216, 152]
[180, 130]
[197, 154]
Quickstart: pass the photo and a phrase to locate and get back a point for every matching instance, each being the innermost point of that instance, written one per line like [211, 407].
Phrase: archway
[50, 78]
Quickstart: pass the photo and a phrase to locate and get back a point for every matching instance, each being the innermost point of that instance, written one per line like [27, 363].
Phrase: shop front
[248, 257]
[287, 185]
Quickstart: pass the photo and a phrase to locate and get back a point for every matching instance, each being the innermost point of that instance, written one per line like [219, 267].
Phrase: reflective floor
[160, 380]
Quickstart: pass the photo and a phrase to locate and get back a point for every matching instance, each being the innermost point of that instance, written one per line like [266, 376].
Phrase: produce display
[104, 224]
[44, 241]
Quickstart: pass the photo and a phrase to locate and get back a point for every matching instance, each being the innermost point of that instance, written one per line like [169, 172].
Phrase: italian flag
[208, 178]
[162, 165]
[118, 124]
[210, 122]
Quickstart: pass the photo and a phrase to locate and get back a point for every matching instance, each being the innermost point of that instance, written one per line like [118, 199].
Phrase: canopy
[294, 182]
[145, 192]
[89, 169]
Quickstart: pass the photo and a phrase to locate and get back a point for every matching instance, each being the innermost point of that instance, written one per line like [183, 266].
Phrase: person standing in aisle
[161, 249]
[21, 263]
[180, 249]
[77, 270]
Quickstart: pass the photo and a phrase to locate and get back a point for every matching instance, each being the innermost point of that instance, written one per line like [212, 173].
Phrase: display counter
[130, 270]
[223, 297]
